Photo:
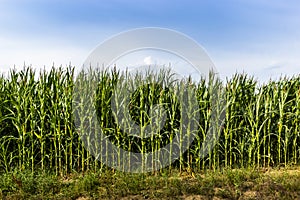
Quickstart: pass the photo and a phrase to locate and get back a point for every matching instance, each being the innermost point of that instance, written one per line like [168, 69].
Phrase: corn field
[261, 127]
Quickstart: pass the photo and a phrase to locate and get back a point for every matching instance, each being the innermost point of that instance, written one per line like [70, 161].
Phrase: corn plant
[38, 118]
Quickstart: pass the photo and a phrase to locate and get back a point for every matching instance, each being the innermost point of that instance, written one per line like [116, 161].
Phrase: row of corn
[49, 120]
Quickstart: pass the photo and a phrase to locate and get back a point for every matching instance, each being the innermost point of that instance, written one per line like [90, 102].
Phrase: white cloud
[264, 61]
[148, 60]
[262, 66]
[38, 54]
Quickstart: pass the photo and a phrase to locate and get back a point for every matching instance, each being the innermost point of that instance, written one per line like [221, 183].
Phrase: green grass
[225, 184]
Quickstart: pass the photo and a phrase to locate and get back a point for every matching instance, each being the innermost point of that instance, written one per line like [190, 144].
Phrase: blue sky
[258, 37]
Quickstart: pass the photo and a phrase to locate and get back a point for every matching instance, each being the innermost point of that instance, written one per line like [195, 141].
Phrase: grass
[226, 184]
